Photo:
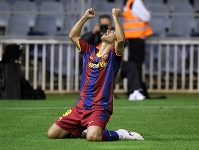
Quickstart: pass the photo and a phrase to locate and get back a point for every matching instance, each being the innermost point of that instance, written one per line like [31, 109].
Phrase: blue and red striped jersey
[98, 76]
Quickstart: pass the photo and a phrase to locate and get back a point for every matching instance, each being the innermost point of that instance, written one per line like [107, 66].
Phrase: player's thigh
[94, 133]
[56, 132]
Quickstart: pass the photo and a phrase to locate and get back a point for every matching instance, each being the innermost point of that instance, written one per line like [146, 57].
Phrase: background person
[94, 37]
[136, 28]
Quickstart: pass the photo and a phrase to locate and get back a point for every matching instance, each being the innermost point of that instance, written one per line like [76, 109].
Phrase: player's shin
[109, 135]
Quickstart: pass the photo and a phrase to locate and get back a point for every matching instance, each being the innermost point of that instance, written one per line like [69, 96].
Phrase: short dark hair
[105, 16]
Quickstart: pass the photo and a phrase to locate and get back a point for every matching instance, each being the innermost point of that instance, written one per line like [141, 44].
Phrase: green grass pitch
[171, 124]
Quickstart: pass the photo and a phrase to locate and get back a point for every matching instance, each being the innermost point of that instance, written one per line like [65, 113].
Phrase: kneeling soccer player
[95, 104]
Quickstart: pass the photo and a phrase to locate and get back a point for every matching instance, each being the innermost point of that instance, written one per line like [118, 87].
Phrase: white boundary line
[122, 107]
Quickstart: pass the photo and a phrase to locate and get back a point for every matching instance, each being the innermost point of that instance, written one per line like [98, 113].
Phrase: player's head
[109, 37]
[105, 23]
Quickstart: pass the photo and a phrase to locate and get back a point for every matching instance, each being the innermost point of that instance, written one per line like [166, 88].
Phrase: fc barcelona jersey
[97, 81]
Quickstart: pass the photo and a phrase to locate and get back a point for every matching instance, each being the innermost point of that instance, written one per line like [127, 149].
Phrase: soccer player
[95, 104]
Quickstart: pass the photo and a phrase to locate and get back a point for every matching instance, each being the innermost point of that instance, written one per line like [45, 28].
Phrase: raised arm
[77, 28]
[119, 45]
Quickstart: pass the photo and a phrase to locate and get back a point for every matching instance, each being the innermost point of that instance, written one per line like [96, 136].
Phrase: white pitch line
[121, 107]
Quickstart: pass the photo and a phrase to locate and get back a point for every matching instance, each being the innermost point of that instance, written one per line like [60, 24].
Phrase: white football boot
[128, 135]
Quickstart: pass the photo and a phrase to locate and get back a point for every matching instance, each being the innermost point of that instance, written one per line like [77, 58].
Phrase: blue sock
[109, 135]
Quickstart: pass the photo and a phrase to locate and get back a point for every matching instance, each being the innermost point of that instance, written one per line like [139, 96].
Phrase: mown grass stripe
[121, 107]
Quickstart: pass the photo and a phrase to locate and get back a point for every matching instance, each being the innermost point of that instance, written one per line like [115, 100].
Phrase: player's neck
[105, 48]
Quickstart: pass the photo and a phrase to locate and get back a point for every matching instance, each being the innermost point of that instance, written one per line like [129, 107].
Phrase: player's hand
[116, 12]
[90, 13]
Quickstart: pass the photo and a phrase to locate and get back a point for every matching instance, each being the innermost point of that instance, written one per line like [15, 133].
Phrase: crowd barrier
[54, 64]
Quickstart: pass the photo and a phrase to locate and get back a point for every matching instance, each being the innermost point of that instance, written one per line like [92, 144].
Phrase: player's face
[109, 36]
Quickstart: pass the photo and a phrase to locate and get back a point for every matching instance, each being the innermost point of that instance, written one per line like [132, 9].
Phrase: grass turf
[170, 124]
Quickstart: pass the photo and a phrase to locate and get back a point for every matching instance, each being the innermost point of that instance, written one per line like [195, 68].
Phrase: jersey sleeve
[84, 46]
[118, 58]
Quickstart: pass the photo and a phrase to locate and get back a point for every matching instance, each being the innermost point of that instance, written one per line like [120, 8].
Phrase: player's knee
[51, 135]
[93, 137]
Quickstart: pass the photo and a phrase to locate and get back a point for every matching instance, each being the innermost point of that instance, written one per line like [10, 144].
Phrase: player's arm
[77, 28]
[119, 45]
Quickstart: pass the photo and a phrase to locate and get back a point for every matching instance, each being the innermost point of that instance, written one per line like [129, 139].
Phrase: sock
[109, 135]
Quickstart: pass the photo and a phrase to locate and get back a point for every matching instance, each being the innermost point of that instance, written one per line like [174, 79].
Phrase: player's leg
[56, 132]
[96, 127]
[95, 133]
[68, 124]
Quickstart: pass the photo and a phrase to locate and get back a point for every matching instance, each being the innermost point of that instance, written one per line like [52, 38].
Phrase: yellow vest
[133, 26]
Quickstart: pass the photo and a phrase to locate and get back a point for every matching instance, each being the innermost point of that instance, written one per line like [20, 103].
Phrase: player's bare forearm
[77, 28]
[119, 45]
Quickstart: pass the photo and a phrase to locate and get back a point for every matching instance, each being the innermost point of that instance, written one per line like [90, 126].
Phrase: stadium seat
[12, 3]
[160, 18]
[71, 5]
[173, 3]
[159, 8]
[197, 25]
[4, 17]
[152, 2]
[17, 26]
[39, 2]
[160, 26]
[181, 8]
[69, 21]
[54, 9]
[28, 9]
[196, 5]
[180, 27]
[105, 6]
[45, 25]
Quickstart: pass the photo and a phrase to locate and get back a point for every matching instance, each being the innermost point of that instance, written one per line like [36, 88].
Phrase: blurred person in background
[94, 37]
[136, 29]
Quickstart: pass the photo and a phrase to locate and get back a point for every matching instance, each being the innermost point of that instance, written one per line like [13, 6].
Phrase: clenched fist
[90, 13]
[116, 12]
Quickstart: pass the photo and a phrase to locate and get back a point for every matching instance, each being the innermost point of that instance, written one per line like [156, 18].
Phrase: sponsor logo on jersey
[101, 64]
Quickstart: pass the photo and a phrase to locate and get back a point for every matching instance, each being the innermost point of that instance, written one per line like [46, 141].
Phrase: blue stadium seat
[160, 18]
[173, 3]
[69, 21]
[152, 2]
[28, 9]
[4, 17]
[160, 26]
[45, 25]
[180, 27]
[17, 26]
[71, 5]
[197, 25]
[196, 5]
[159, 8]
[39, 2]
[54, 9]
[104, 6]
[12, 3]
